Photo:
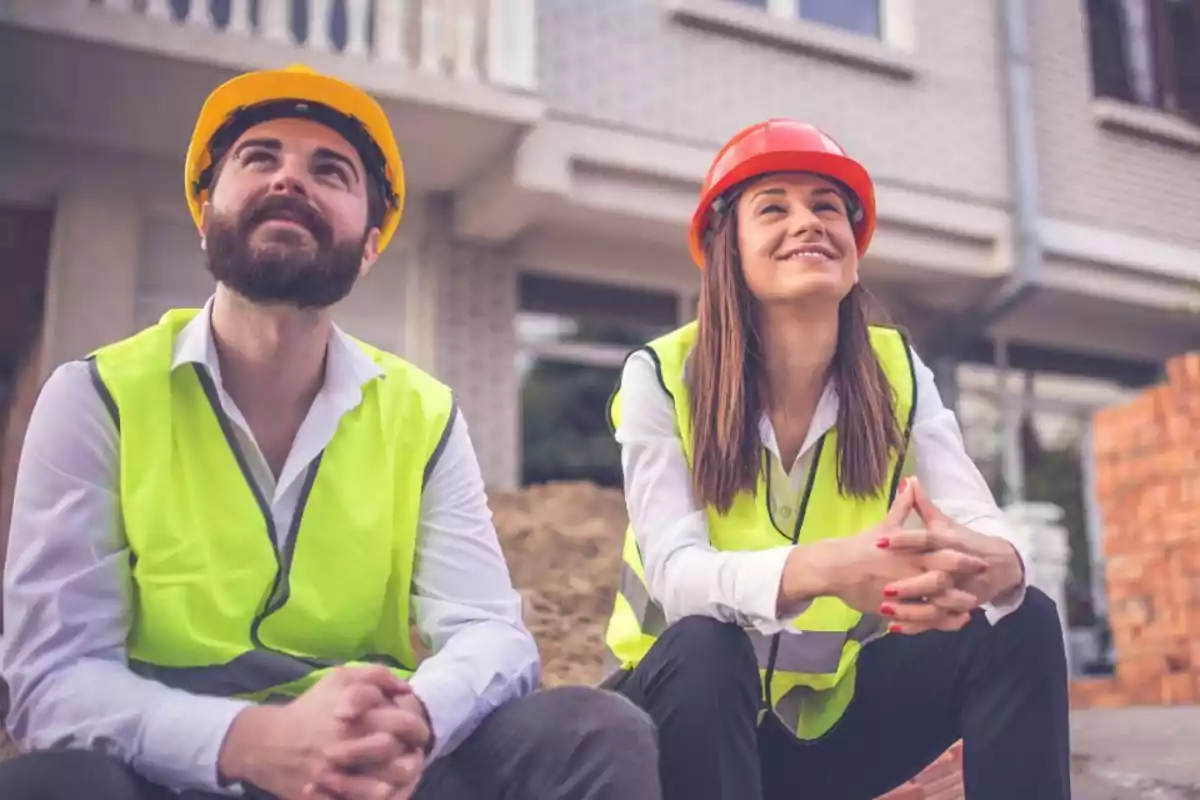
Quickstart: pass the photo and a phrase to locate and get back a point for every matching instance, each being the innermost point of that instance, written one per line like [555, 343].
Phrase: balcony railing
[491, 41]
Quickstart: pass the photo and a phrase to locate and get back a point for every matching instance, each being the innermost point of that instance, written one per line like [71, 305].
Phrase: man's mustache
[279, 206]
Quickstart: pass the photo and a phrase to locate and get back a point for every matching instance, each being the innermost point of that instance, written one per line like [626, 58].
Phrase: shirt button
[786, 511]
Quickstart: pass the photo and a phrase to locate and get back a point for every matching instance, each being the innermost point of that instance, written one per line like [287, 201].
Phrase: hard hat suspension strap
[350, 128]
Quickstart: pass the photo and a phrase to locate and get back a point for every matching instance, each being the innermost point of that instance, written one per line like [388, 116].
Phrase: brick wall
[1148, 488]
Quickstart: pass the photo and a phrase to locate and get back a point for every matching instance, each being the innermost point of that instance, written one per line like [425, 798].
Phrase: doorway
[24, 255]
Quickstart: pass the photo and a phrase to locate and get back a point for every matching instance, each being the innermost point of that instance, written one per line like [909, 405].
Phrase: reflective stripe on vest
[808, 671]
[219, 609]
[252, 674]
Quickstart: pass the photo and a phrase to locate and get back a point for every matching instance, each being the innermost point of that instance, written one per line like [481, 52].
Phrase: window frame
[578, 352]
[1178, 119]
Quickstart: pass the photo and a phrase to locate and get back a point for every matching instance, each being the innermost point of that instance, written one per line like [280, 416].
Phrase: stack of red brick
[941, 780]
[1148, 487]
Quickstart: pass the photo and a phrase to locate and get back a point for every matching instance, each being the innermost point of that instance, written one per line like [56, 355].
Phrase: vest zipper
[800, 514]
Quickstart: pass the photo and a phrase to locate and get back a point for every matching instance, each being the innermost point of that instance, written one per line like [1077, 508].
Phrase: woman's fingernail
[887, 610]
[903, 484]
[883, 543]
[890, 592]
[893, 628]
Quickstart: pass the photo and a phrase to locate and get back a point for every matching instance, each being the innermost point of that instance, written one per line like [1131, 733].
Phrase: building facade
[1037, 169]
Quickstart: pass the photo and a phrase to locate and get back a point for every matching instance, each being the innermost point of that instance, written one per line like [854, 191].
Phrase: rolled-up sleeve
[67, 606]
[464, 603]
[954, 482]
[685, 574]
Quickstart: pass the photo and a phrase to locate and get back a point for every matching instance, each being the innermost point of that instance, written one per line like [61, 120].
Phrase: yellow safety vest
[217, 609]
[807, 678]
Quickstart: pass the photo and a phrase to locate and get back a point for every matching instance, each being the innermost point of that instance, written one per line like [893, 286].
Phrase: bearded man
[226, 525]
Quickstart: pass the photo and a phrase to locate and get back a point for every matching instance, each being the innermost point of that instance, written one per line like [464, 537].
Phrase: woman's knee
[1038, 617]
[715, 649]
[1035, 629]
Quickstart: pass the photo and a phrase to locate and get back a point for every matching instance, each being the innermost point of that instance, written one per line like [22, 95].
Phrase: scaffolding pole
[1011, 461]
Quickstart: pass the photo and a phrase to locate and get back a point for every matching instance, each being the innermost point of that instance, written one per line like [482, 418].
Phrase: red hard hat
[783, 145]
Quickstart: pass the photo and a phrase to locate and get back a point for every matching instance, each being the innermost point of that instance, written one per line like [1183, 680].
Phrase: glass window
[857, 16]
[573, 338]
[1147, 52]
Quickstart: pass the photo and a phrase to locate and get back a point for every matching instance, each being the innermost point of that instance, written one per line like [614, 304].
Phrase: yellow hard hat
[301, 92]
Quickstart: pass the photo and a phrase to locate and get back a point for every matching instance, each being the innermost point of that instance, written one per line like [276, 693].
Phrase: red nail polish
[887, 610]
[890, 592]
[903, 485]
[883, 543]
[893, 628]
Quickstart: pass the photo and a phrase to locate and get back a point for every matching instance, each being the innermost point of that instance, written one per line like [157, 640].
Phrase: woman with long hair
[819, 594]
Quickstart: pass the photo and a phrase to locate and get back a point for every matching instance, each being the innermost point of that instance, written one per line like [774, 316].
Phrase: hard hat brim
[300, 84]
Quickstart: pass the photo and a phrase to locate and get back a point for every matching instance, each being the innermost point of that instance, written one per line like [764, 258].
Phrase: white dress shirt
[67, 583]
[687, 576]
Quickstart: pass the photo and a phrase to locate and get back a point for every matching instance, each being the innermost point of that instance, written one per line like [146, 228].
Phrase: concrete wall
[1117, 180]
[629, 63]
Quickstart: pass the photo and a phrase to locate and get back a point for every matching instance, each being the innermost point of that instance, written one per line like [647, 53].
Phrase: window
[856, 16]
[573, 338]
[1147, 52]
[875, 35]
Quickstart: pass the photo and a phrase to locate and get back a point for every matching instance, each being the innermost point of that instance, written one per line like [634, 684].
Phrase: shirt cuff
[450, 704]
[182, 741]
[1010, 601]
[756, 583]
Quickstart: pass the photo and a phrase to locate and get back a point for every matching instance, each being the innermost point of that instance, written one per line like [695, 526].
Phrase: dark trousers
[1002, 690]
[572, 743]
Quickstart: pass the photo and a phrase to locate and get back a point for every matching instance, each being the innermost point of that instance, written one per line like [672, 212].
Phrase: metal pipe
[945, 373]
[1021, 281]
[1011, 455]
[1022, 143]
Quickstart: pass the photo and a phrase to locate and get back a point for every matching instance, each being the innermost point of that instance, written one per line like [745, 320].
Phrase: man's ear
[370, 253]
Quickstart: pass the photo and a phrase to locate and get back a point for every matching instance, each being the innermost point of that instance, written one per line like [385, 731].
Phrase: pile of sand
[563, 545]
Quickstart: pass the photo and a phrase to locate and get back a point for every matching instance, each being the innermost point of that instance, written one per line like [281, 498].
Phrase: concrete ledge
[657, 181]
[1142, 254]
[204, 45]
[1148, 123]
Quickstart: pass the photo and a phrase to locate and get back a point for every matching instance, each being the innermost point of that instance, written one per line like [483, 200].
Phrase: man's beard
[285, 270]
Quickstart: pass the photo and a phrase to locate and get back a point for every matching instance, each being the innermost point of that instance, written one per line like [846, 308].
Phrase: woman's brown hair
[725, 382]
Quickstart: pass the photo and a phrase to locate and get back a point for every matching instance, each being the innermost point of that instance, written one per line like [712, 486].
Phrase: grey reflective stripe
[814, 652]
[655, 623]
[791, 704]
[650, 615]
[871, 626]
[610, 663]
[252, 672]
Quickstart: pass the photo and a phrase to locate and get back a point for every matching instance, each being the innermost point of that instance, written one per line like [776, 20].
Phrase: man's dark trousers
[570, 743]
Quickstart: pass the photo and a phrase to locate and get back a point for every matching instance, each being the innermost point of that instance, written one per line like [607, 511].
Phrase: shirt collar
[348, 368]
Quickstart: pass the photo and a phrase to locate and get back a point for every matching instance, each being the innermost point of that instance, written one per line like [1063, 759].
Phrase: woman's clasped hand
[921, 578]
